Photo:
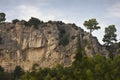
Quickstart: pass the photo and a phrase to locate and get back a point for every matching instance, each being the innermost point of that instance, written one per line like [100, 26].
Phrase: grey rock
[51, 44]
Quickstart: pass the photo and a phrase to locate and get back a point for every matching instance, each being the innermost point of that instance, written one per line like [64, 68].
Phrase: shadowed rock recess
[49, 44]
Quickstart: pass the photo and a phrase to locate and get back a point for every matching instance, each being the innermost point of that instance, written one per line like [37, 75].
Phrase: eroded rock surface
[50, 44]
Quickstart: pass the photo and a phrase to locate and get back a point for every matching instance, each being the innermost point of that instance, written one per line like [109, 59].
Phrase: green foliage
[1, 69]
[89, 74]
[48, 77]
[79, 55]
[18, 72]
[110, 36]
[34, 22]
[2, 17]
[84, 68]
[74, 26]
[26, 76]
[91, 24]
[64, 39]
[61, 33]
[15, 21]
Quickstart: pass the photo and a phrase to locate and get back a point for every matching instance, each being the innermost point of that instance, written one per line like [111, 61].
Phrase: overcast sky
[107, 12]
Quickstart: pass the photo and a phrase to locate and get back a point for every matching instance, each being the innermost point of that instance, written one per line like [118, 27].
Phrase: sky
[106, 12]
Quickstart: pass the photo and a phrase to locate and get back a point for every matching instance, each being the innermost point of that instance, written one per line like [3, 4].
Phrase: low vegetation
[83, 68]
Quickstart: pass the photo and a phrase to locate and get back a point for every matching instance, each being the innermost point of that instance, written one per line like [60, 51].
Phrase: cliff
[50, 44]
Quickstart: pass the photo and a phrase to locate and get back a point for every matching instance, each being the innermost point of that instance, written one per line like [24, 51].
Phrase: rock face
[50, 44]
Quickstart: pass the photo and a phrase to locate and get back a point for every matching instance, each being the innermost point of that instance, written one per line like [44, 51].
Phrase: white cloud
[27, 11]
[48, 10]
[114, 10]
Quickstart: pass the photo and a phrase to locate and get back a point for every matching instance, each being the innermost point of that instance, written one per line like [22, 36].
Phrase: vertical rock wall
[51, 44]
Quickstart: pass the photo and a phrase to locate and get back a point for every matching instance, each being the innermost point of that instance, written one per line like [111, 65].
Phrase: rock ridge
[52, 43]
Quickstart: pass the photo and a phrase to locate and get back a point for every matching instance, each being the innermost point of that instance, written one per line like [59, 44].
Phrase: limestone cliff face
[50, 44]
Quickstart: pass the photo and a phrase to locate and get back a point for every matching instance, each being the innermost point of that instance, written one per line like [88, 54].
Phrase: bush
[64, 41]
[63, 38]
[49, 21]
[1, 69]
[34, 21]
[60, 22]
[24, 22]
[15, 21]
[18, 72]
[75, 27]
[2, 17]
[61, 33]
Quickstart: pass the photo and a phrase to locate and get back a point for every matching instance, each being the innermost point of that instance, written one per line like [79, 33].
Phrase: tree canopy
[110, 36]
[2, 17]
[34, 21]
[91, 24]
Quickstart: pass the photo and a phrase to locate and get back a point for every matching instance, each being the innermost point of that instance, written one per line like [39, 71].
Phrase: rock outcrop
[50, 44]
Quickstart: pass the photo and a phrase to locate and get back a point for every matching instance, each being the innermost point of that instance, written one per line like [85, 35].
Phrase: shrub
[60, 22]
[75, 27]
[64, 41]
[1, 69]
[34, 21]
[63, 38]
[2, 17]
[15, 21]
[18, 72]
[49, 21]
[61, 33]
[24, 22]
